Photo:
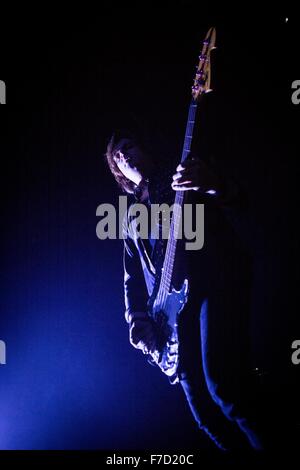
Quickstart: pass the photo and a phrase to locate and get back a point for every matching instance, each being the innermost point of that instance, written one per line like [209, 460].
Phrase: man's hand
[194, 174]
[141, 332]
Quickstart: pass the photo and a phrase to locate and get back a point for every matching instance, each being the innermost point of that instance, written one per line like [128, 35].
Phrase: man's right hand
[141, 332]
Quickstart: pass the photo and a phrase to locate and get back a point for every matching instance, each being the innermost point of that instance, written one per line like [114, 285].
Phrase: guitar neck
[167, 272]
[188, 138]
[189, 131]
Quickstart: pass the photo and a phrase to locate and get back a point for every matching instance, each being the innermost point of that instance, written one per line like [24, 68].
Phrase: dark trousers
[217, 380]
[227, 398]
[215, 366]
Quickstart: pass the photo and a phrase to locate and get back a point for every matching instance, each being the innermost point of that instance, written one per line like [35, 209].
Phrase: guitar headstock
[203, 73]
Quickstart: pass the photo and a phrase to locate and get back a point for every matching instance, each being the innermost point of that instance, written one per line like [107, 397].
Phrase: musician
[214, 368]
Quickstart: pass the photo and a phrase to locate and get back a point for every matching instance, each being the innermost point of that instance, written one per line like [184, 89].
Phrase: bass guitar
[166, 304]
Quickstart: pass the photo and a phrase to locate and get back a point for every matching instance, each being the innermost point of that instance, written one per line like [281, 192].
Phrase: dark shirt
[139, 253]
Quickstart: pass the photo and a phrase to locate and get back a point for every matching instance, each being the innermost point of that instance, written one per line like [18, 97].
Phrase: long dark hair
[116, 142]
[113, 145]
[141, 139]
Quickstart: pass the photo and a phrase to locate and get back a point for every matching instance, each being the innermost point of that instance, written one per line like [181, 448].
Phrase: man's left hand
[194, 174]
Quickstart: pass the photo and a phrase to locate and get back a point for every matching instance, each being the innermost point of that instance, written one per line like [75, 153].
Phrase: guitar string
[176, 215]
[167, 273]
[168, 264]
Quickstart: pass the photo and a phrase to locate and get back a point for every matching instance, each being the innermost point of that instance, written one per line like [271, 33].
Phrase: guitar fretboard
[168, 265]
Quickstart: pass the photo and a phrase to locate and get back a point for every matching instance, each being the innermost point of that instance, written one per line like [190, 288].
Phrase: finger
[149, 345]
[141, 324]
[154, 343]
[137, 344]
[145, 336]
[182, 181]
[147, 339]
[141, 346]
[141, 331]
[146, 346]
[187, 173]
[185, 187]
[187, 164]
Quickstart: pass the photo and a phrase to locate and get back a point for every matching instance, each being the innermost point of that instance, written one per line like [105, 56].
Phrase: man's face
[130, 160]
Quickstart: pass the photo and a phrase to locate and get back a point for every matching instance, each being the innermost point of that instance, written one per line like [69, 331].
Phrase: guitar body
[165, 312]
